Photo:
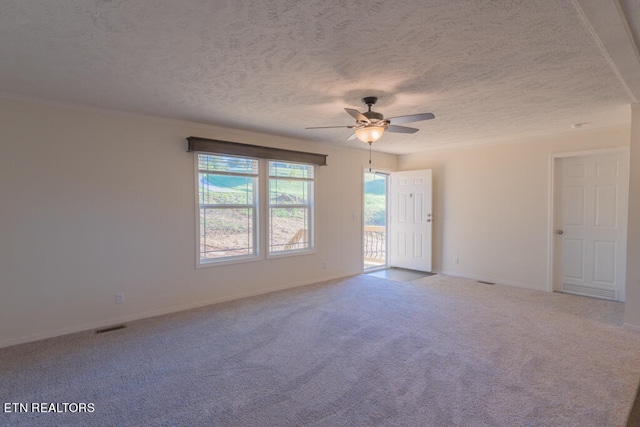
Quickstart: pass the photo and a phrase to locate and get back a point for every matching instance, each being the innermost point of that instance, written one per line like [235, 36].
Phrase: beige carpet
[362, 351]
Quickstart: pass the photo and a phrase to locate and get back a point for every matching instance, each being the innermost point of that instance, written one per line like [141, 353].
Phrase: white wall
[93, 203]
[491, 205]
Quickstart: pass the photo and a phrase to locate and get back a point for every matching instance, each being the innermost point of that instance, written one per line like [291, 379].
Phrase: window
[228, 202]
[230, 193]
[290, 207]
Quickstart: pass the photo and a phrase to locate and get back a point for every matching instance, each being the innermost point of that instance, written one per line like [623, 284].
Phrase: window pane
[288, 229]
[291, 170]
[288, 192]
[226, 189]
[226, 232]
[228, 199]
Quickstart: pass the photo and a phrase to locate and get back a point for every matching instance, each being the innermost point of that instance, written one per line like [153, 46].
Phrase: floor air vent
[590, 292]
[110, 328]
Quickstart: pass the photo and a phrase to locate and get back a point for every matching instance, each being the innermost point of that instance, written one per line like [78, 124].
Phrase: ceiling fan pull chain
[370, 157]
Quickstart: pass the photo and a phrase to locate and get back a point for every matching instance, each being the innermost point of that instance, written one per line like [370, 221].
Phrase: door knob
[560, 232]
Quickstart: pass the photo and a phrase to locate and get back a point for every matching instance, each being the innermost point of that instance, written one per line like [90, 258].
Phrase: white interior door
[591, 219]
[410, 221]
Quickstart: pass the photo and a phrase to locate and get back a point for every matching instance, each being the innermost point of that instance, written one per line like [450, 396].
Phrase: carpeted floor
[438, 351]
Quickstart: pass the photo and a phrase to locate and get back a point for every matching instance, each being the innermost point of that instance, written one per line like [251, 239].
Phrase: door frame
[386, 225]
[553, 162]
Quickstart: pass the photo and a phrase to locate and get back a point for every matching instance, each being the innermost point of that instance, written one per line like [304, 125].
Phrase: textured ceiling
[491, 71]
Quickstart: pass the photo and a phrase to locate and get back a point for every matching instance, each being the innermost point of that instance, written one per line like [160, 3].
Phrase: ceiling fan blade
[331, 127]
[410, 118]
[401, 129]
[352, 137]
[357, 115]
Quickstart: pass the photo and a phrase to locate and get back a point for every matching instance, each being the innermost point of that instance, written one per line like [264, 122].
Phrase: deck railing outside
[375, 244]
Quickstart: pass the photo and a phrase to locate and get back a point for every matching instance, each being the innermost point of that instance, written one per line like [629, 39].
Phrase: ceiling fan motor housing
[373, 116]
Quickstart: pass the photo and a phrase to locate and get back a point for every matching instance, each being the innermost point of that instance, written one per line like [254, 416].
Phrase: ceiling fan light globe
[370, 134]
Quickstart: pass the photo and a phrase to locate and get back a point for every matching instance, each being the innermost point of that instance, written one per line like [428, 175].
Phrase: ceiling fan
[370, 125]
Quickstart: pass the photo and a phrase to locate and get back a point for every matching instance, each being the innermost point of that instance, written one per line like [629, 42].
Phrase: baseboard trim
[160, 312]
[495, 280]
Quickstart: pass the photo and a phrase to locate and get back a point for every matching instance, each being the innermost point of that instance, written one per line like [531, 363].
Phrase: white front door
[410, 224]
[591, 219]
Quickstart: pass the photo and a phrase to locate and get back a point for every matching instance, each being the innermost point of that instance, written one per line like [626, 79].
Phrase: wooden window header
[216, 146]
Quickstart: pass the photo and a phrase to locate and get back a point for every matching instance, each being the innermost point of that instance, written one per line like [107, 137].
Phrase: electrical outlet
[324, 265]
[457, 260]
[119, 298]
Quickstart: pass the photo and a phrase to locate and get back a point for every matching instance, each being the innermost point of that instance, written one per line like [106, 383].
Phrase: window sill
[285, 254]
[221, 262]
